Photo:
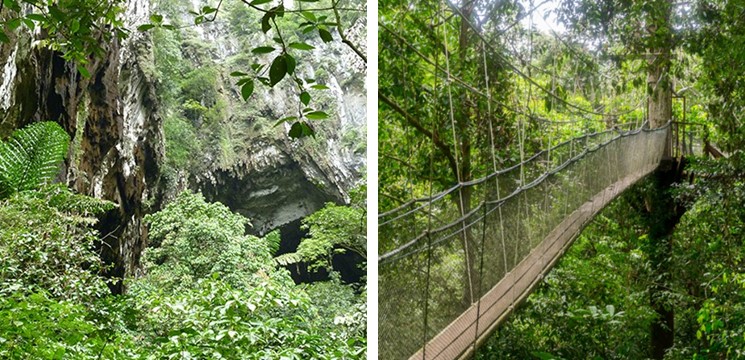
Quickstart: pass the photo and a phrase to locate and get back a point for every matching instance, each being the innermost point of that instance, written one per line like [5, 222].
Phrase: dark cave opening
[348, 264]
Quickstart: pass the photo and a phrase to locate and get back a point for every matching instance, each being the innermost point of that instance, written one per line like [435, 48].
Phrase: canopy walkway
[456, 277]
[456, 90]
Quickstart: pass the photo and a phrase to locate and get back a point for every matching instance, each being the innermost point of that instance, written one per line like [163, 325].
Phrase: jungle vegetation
[466, 88]
[206, 289]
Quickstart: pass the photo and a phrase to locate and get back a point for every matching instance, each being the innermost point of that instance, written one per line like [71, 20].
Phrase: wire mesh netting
[470, 252]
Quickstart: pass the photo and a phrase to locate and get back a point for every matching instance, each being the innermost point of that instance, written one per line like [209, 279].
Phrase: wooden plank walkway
[458, 340]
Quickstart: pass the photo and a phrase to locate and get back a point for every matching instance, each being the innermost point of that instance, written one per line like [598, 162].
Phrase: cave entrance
[347, 264]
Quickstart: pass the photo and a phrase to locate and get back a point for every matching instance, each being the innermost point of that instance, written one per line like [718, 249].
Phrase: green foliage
[289, 29]
[212, 320]
[333, 229]
[209, 291]
[31, 157]
[46, 244]
[593, 304]
[708, 258]
[192, 239]
[77, 28]
[200, 86]
[344, 311]
[37, 326]
[182, 143]
[719, 42]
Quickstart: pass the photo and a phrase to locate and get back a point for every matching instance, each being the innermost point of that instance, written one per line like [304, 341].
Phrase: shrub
[192, 239]
[46, 243]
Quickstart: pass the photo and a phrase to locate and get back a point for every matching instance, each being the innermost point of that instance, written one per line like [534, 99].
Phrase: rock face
[116, 122]
[274, 180]
[116, 134]
[278, 184]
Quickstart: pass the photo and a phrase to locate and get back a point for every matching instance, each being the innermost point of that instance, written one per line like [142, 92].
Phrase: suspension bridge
[453, 265]
[458, 277]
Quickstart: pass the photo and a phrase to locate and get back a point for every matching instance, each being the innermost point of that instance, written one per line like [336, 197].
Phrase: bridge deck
[469, 330]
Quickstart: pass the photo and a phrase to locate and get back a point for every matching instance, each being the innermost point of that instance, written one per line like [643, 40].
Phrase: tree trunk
[463, 115]
[663, 215]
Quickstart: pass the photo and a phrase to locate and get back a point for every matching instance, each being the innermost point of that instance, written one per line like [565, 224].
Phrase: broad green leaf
[14, 24]
[325, 35]
[278, 70]
[284, 120]
[317, 115]
[263, 50]
[320, 87]
[145, 27]
[83, 71]
[301, 129]
[309, 15]
[156, 18]
[56, 13]
[36, 17]
[278, 10]
[305, 98]
[265, 22]
[30, 24]
[291, 63]
[296, 131]
[247, 89]
[301, 46]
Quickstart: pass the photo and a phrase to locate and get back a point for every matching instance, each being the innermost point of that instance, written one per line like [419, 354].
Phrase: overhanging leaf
[325, 35]
[278, 70]
[301, 46]
[317, 115]
[305, 98]
[262, 50]
[247, 90]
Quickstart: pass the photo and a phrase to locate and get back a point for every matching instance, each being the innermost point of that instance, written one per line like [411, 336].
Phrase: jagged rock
[116, 133]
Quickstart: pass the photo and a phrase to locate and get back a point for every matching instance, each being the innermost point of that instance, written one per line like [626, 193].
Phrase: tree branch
[344, 39]
[444, 148]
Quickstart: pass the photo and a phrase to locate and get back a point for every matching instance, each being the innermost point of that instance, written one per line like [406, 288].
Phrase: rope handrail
[456, 187]
[392, 255]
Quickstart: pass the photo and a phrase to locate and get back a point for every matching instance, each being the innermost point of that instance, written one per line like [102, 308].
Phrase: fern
[31, 157]
[288, 259]
[273, 241]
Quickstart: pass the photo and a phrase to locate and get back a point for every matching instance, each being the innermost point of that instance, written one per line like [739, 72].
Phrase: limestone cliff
[117, 135]
[262, 173]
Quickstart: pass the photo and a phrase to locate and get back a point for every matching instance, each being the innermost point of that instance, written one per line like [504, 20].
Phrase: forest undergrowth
[595, 304]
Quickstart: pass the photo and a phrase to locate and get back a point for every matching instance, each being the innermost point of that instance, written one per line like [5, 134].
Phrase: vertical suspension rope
[521, 138]
[429, 223]
[457, 164]
[494, 166]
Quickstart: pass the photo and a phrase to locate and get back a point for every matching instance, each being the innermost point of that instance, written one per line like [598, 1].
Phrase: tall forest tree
[643, 29]
[428, 100]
